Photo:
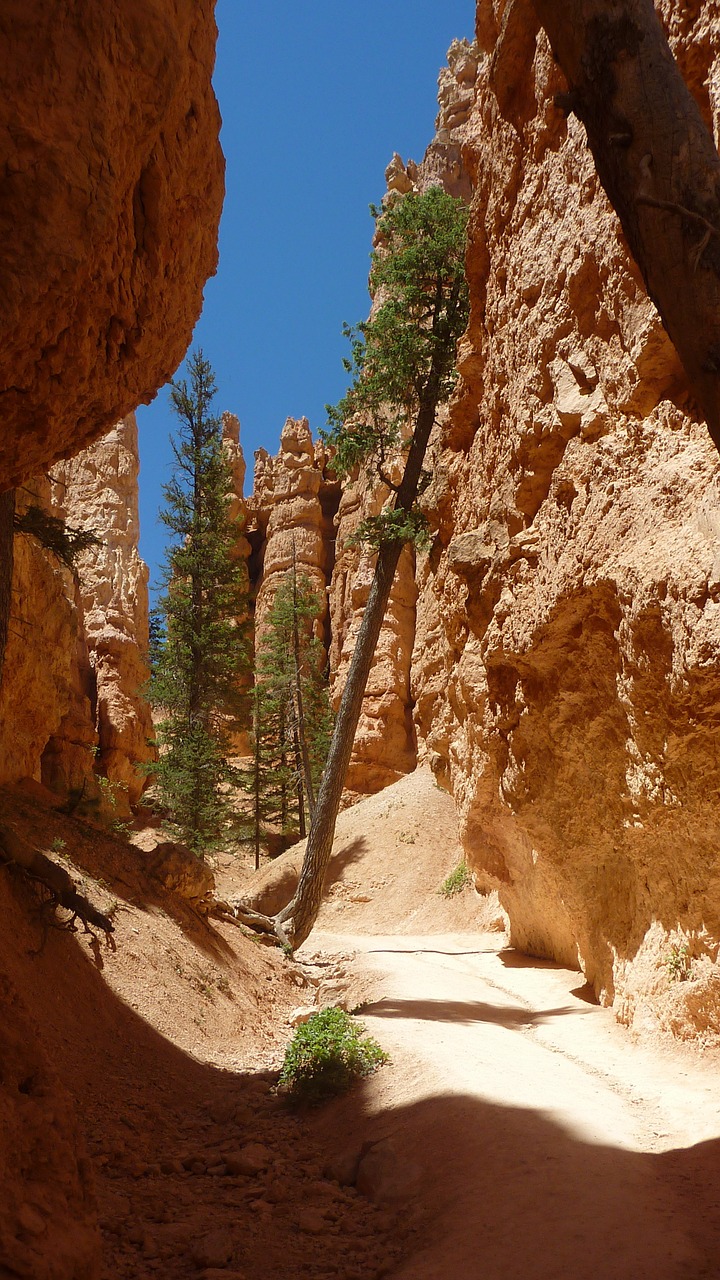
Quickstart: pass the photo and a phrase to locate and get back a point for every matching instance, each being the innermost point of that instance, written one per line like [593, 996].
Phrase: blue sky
[315, 96]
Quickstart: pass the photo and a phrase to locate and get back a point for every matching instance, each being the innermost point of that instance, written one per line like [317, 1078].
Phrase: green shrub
[679, 963]
[456, 881]
[327, 1054]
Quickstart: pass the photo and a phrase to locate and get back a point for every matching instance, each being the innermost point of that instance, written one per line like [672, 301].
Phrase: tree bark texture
[658, 164]
[7, 533]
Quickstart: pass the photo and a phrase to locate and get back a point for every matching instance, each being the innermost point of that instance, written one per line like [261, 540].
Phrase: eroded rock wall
[565, 671]
[292, 515]
[98, 491]
[71, 696]
[109, 208]
[39, 685]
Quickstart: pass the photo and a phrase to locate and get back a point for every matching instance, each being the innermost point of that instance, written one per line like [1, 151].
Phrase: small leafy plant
[456, 881]
[678, 962]
[326, 1055]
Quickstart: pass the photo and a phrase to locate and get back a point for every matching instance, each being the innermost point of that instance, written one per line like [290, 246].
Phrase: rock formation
[109, 208]
[565, 670]
[554, 656]
[98, 490]
[108, 213]
[78, 713]
[292, 511]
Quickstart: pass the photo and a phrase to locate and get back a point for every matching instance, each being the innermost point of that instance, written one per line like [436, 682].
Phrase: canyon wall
[298, 501]
[565, 668]
[76, 659]
[554, 656]
[109, 212]
[109, 209]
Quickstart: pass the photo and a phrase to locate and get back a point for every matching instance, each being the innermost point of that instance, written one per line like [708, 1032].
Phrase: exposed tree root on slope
[240, 913]
[56, 887]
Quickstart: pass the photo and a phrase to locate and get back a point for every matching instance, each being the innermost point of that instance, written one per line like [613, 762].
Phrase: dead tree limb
[55, 880]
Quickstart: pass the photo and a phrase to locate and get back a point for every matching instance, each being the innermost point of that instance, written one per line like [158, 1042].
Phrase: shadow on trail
[487, 1192]
[466, 1011]
[513, 959]
[505, 1193]
[153, 1119]
[429, 951]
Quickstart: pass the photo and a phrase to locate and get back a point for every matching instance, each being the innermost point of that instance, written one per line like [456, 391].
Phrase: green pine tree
[200, 649]
[403, 367]
[293, 719]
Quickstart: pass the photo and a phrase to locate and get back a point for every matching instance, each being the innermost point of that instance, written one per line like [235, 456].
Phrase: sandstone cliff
[108, 213]
[566, 657]
[76, 658]
[554, 656]
[292, 513]
[98, 490]
[109, 208]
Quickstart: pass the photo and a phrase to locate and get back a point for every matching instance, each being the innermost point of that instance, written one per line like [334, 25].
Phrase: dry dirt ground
[517, 1130]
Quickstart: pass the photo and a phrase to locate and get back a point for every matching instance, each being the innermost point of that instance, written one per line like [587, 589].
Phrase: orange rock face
[565, 670]
[98, 490]
[292, 509]
[108, 213]
[76, 660]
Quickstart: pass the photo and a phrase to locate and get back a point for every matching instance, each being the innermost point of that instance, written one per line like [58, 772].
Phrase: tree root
[56, 883]
[239, 913]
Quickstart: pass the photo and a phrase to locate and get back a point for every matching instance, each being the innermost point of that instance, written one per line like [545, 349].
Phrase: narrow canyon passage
[523, 1131]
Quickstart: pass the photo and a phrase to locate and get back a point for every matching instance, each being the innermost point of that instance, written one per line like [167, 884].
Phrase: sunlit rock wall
[71, 701]
[291, 512]
[566, 663]
[98, 491]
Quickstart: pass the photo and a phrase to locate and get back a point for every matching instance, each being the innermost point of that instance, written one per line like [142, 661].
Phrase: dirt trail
[525, 1133]
[518, 1131]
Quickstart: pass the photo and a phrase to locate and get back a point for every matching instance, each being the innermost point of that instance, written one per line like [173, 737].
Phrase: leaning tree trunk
[658, 164]
[7, 533]
[303, 909]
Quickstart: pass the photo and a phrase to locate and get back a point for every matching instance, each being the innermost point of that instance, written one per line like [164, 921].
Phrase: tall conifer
[293, 720]
[201, 649]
